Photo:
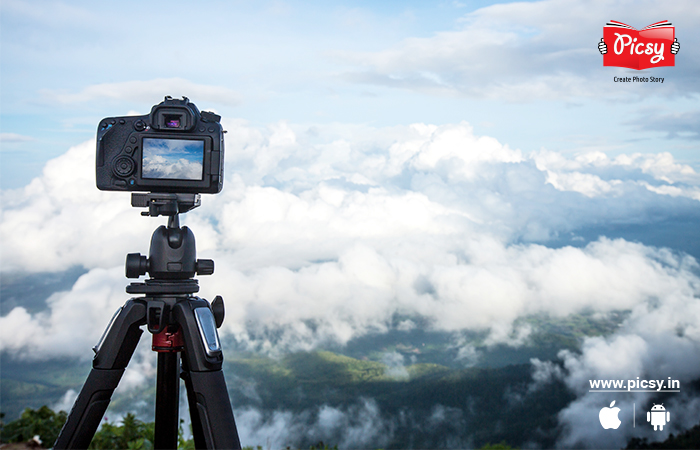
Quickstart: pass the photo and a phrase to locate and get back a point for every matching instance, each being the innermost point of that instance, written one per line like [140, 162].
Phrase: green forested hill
[427, 406]
[427, 397]
[472, 406]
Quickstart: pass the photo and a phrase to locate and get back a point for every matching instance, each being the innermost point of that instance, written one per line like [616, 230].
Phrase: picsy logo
[652, 46]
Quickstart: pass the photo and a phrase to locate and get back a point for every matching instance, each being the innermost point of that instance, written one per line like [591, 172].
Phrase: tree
[131, 434]
[42, 422]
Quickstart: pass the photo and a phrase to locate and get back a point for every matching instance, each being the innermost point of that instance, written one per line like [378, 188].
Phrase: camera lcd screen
[177, 159]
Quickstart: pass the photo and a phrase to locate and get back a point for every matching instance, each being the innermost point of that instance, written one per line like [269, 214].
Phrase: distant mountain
[689, 439]
[401, 389]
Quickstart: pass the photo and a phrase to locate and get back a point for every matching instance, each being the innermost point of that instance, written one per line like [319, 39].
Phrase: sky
[525, 73]
[469, 163]
[173, 158]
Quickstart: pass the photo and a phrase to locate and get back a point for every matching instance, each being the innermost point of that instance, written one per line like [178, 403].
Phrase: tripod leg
[213, 424]
[112, 356]
[197, 431]
[89, 408]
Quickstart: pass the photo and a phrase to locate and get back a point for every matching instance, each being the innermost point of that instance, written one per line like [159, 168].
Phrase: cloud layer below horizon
[327, 233]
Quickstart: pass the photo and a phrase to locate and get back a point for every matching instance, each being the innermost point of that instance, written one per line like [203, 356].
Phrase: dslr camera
[174, 149]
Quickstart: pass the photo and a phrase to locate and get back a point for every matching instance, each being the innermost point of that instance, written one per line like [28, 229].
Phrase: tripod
[180, 323]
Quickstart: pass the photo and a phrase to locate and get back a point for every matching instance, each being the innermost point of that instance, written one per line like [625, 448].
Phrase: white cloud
[487, 289]
[13, 138]
[660, 339]
[51, 14]
[356, 426]
[171, 168]
[147, 91]
[325, 236]
[61, 219]
[87, 307]
[66, 402]
[523, 51]
[395, 367]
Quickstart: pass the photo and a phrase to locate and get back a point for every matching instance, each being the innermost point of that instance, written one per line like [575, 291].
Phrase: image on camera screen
[179, 159]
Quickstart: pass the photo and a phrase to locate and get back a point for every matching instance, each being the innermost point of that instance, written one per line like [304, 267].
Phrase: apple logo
[608, 417]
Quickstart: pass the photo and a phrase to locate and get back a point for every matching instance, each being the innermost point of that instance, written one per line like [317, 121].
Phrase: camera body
[174, 149]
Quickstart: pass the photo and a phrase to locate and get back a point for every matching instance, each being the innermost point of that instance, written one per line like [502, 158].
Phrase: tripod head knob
[136, 265]
[205, 266]
[217, 307]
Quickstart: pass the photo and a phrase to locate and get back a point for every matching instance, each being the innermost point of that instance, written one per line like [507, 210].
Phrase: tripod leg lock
[202, 346]
[157, 316]
[207, 330]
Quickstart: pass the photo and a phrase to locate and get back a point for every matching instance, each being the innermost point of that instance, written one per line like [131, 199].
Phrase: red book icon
[639, 49]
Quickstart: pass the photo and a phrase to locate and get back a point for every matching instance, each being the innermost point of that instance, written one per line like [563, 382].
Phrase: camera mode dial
[124, 166]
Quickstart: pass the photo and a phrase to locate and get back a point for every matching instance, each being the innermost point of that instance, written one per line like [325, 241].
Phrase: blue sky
[467, 163]
[528, 76]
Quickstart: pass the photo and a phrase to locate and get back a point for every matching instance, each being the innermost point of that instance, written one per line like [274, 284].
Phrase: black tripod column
[167, 343]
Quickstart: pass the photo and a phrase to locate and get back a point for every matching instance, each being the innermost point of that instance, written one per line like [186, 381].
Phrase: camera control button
[133, 139]
[139, 125]
[124, 166]
[129, 150]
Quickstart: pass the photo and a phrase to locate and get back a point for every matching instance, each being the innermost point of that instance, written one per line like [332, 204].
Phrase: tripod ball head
[172, 257]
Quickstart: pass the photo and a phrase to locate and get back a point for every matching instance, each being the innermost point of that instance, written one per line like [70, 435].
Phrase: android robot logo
[658, 416]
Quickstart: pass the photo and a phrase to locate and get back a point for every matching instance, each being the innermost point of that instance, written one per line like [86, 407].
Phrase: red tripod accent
[168, 341]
